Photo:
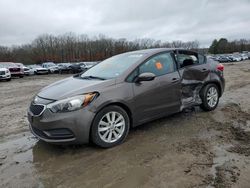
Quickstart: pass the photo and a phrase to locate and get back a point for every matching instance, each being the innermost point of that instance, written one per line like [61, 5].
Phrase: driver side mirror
[146, 76]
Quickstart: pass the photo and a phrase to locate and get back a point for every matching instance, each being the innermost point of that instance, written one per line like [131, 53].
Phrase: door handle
[204, 70]
[175, 80]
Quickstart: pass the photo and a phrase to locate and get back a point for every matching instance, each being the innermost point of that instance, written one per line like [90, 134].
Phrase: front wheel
[110, 127]
[210, 97]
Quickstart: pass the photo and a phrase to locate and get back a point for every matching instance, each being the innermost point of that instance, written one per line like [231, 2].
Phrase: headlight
[72, 103]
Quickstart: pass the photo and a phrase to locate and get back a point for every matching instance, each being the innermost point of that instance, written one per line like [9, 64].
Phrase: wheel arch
[216, 83]
[120, 104]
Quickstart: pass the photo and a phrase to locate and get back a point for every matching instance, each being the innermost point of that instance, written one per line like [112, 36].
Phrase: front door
[160, 96]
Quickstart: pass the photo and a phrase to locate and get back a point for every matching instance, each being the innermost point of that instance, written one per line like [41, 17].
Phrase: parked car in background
[244, 56]
[4, 73]
[52, 67]
[64, 68]
[37, 69]
[15, 71]
[77, 67]
[126, 90]
[25, 69]
[88, 65]
[224, 59]
[235, 58]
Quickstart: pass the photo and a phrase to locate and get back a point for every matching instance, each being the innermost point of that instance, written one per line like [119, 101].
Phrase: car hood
[3, 69]
[40, 68]
[53, 67]
[73, 86]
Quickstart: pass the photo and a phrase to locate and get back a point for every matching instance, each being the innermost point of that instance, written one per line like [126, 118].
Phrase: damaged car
[124, 91]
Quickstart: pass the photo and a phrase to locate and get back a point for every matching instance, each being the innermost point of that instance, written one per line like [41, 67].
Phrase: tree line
[223, 46]
[75, 48]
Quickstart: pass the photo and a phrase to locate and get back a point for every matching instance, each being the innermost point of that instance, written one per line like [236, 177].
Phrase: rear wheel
[110, 127]
[210, 97]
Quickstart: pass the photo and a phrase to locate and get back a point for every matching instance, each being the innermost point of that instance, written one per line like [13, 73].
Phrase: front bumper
[16, 73]
[42, 72]
[71, 127]
[4, 77]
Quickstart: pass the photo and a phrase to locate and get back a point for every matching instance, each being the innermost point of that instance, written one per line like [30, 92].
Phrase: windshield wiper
[93, 77]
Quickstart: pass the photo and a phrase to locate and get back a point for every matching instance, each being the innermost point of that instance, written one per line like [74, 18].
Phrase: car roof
[152, 51]
[9, 63]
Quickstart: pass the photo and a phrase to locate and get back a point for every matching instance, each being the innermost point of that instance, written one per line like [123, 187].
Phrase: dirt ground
[189, 149]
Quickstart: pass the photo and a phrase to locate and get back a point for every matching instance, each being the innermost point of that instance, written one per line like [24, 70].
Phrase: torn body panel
[192, 80]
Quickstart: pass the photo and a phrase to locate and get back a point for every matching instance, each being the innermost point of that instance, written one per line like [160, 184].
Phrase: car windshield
[35, 66]
[112, 67]
[89, 63]
[50, 64]
[7, 65]
[64, 64]
[19, 64]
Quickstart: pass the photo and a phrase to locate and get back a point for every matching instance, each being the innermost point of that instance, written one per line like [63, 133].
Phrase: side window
[133, 75]
[187, 58]
[159, 65]
[202, 59]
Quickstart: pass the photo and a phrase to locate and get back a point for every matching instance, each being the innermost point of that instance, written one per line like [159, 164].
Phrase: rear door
[160, 96]
[194, 72]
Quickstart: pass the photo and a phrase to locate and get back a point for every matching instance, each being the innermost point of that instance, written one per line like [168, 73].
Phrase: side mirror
[146, 76]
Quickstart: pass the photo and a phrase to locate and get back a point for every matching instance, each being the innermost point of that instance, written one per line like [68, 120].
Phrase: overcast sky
[23, 20]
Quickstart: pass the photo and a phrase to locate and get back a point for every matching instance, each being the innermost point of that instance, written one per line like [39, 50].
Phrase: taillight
[220, 67]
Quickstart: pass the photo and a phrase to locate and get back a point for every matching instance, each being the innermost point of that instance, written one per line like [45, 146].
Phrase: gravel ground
[189, 149]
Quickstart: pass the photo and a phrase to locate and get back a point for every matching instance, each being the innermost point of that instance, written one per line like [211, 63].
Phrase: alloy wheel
[212, 97]
[111, 127]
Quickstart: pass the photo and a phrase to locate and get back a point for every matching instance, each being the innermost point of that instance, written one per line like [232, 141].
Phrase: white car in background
[51, 66]
[26, 71]
[244, 56]
[235, 58]
[4, 73]
[37, 69]
[88, 65]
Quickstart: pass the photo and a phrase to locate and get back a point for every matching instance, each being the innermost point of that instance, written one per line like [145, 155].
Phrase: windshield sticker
[158, 65]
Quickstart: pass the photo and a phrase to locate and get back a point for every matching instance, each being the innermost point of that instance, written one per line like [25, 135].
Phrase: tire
[209, 90]
[9, 79]
[21, 76]
[118, 133]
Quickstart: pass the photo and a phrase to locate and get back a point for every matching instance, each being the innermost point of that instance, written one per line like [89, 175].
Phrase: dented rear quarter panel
[194, 78]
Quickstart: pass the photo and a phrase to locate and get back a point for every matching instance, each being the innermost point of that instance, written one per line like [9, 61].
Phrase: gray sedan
[124, 91]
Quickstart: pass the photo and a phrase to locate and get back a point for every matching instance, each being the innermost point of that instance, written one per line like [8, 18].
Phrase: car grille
[2, 72]
[37, 109]
[14, 69]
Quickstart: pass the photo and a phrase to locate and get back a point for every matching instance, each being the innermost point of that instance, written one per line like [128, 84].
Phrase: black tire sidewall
[205, 106]
[95, 138]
